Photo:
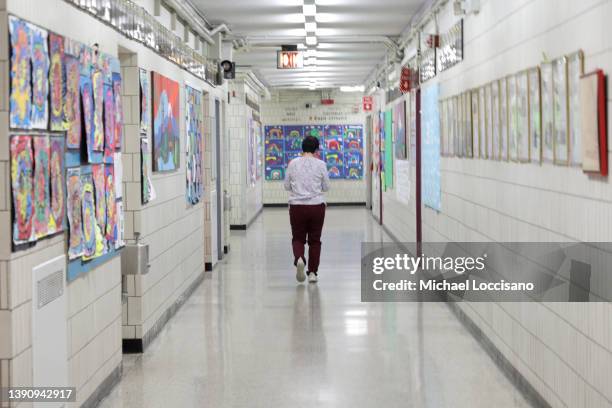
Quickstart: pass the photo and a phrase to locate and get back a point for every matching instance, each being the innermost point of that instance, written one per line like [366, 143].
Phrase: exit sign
[289, 60]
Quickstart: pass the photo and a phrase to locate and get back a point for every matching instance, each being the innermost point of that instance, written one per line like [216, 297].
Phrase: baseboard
[142, 344]
[347, 204]
[243, 227]
[104, 388]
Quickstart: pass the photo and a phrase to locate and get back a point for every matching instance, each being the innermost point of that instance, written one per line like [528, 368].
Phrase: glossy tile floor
[251, 337]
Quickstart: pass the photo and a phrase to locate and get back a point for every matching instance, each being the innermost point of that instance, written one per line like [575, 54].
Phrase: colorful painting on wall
[97, 172]
[148, 193]
[22, 172]
[39, 50]
[430, 176]
[88, 216]
[111, 206]
[97, 82]
[333, 151]
[56, 82]
[43, 224]
[274, 153]
[388, 144]
[252, 152]
[399, 130]
[117, 91]
[109, 124]
[72, 103]
[73, 208]
[145, 94]
[294, 135]
[193, 148]
[259, 144]
[166, 142]
[353, 152]
[88, 114]
[21, 85]
[57, 185]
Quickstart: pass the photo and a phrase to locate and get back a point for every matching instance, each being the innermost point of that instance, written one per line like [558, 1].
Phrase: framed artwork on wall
[467, 121]
[166, 133]
[547, 95]
[535, 115]
[482, 122]
[594, 127]
[503, 119]
[560, 111]
[460, 130]
[495, 122]
[456, 127]
[443, 129]
[489, 120]
[575, 70]
[450, 115]
[475, 123]
[522, 118]
[512, 119]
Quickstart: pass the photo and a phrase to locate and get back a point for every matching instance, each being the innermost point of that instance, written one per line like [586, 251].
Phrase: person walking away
[306, 180]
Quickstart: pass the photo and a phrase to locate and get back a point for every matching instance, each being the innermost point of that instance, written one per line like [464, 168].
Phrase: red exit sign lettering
[289, 59]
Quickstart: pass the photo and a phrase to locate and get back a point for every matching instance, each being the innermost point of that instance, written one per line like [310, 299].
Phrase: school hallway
[251, 336]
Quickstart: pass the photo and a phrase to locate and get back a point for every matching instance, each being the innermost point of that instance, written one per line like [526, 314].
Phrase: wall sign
[289, 60]
[428, 64]
[450, 52]
[368, 101]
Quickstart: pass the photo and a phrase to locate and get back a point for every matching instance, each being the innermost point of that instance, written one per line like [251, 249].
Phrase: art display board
[63, 144]
[430, 173]
[166, 131]
[399, 129]
[193, 146]
[388, 175]
[341, 147]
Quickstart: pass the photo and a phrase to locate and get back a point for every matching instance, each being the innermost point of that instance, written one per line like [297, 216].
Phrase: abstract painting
[39, 50]
[97, 82]
[399, 130]
[166, 142]
[73, 204]
[117, 92]
[193, 148]
[42, 195]
[97, 172]
[72, 103]
[88, 114]
[21, 85]
[145, 94]
[145, 157]
[88, 216]
[111, 205]
[56, 82]
[57, 184]
[22, 172]
[109, 123]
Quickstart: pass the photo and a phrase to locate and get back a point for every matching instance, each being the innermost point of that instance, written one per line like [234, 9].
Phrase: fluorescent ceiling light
[358, 88]
[311, 40]
[309, 9]
[301, 46]
[310, 26]
[312, 61]
[311, 53]
[295, 18]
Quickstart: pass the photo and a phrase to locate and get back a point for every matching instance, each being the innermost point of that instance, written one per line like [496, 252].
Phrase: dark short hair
[310, 144]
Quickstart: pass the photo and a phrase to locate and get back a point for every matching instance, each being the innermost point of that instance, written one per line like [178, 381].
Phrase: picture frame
[575, 71]
[535, 115]
[594, 127]
[560, 112]
[467, 119]
[522, 119]
[495, 121]
[443, 129]
[489, 121]
[546, 97]
[512, 119]
[455, 126]
[482, 123]
[460, 127]
[503, 119]
[475, 123]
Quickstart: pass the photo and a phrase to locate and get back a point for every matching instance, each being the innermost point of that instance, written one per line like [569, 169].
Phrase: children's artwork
[72, 103]
[560, 111]
[111, 206]
[193, 149]
[148, 193]
[57, 184]
[145, 94]
[294, 135]
[399, 129]
[166, 143]
[117, 92]
[489, 120]
[353, 152]
[475, 123]
[535, 115]
[120, 242]
[88, 115]
[430, 176]
[333, 138]
[512, 119]
[251, 153]
[260, 150]
[43, 224]
[56, 82]
[335, 164]
[73, 204]
[118, 165]
[109, 123]
[389, 149]
[21, 85]
[88, 216]
[274, 153]
[467, 115]
[482, 123]
[575, 70]
[522, 123]
[22, 173]
[39, 50]
[548, 131]
[97, 81]
[97, 172]
[495, 121]
[503, 118]
[275, 174]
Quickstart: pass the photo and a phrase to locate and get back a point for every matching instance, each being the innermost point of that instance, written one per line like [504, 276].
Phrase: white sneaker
[299, 267]
[312, 277]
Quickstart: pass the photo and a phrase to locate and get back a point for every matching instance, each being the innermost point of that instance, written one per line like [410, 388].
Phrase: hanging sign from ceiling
[368, 102]
[450, 51]
[289, 60]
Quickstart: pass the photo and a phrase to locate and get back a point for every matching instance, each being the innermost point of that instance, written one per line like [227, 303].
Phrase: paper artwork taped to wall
[97, 81]
[274, 153]
[72, 103]
[57, 184]
[88, 115]
[575, 70]
[193, 148]
[560, 109]
[111, 205]
[503, 117]
[294, 136]
[431, 176]
[148, 193]
[120, 242]
[56, 82]
[388, 145]
[548, 130]
[535, 115]
[22, 185]
[42, 196]
[522, 135]
[399, 129]
[166, 140]
[513, 121]
[88, 216]
[39, 115]
[109, 123]
[353, 152]
[97, 172]
[73, 208]
[20, 99]
[117, 92]
[145, 94]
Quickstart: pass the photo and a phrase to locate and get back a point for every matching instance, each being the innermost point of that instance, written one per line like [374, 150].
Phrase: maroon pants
[306, 225]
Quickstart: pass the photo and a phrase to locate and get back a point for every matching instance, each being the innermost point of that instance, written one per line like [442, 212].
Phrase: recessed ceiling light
[309, 9]
[311, 27]
[311, 40]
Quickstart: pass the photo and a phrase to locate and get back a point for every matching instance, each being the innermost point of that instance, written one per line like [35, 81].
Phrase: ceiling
[351, 36]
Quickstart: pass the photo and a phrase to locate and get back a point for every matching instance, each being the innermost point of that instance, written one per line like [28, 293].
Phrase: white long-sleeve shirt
[306, 180]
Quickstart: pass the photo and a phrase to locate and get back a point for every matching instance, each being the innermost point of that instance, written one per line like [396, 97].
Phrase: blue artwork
[294, 135]
[430, 118]
[274, 153]
[353, 152]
